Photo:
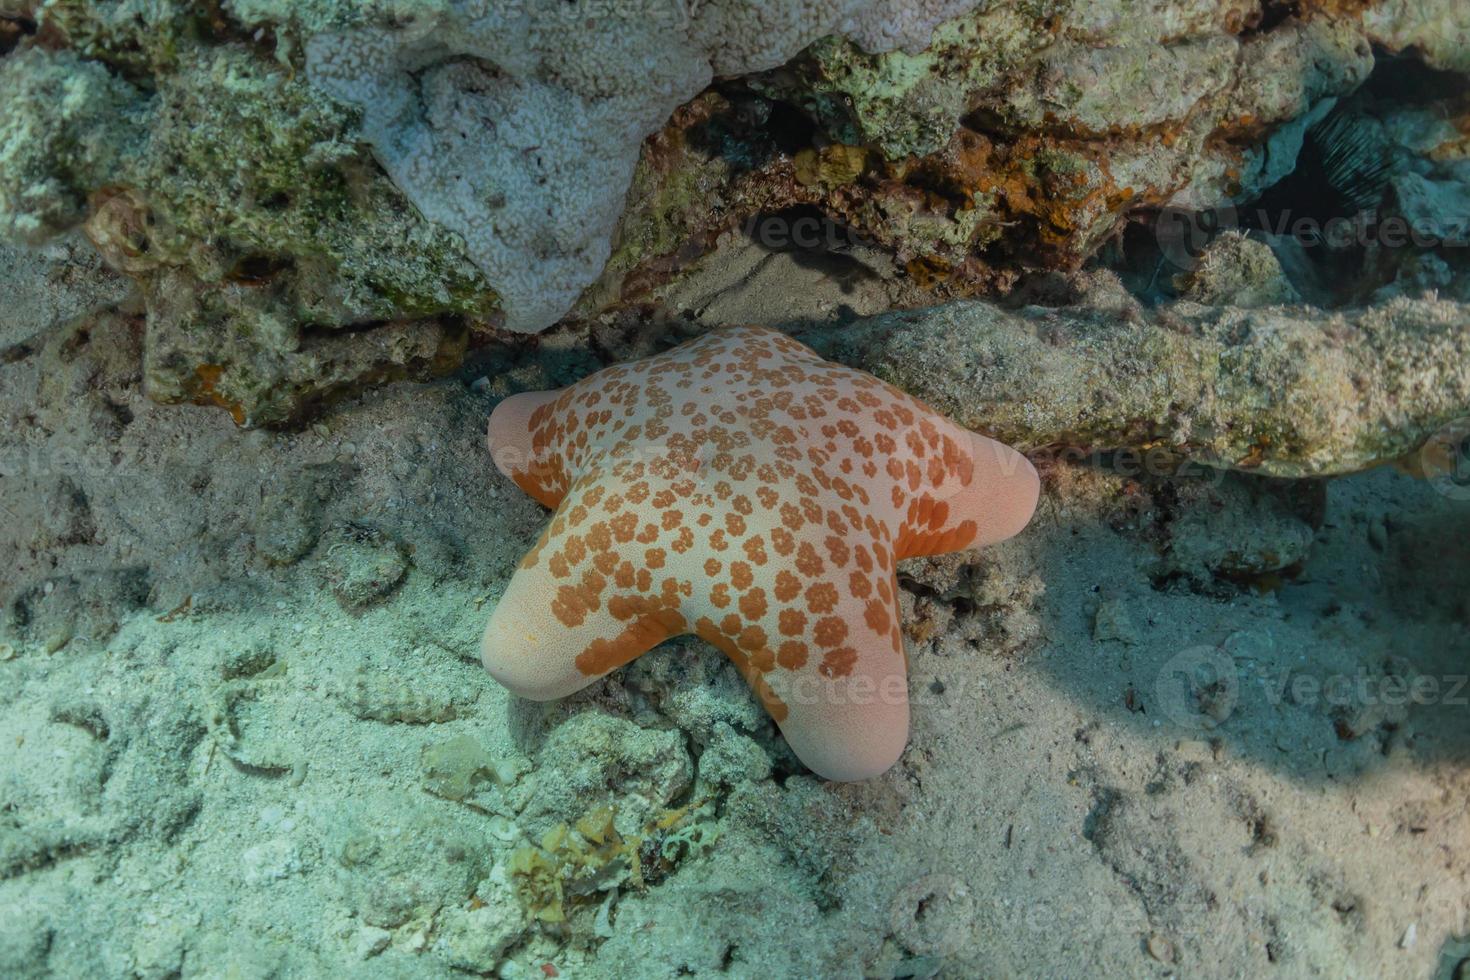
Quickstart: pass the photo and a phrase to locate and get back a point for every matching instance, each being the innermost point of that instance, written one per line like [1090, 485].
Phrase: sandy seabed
[246, 733]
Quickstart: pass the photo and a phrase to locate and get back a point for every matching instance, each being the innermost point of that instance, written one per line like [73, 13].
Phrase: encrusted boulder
[317, 197]
[1280, 391]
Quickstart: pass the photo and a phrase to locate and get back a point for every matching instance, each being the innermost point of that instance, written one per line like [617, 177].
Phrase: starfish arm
[573, 610]
[526, 448]
[847, 715]
[807, 610]
[1002, 493]
[984, 496]
[852, 728]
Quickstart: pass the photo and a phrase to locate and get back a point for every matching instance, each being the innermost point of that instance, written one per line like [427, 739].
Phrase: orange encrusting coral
[742, 489]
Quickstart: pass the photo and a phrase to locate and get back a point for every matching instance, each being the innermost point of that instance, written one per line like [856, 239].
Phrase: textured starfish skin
[744, 490]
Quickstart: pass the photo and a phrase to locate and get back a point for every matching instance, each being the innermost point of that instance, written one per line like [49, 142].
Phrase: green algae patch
[574, 867]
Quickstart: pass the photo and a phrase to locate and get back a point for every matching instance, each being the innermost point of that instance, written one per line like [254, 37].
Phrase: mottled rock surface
[318, 197]
[1284, 391]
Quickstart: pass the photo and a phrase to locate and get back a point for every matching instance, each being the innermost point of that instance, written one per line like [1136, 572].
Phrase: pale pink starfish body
[742, 489]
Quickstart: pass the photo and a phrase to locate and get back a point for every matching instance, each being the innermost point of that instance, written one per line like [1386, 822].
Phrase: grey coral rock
[519, 128]
[1235, 270]
[1288, 392]
[81, 135]
[362, 565]
[594, 759]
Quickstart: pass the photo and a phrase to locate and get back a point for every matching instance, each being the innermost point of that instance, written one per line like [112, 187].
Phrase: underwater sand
[246, 733]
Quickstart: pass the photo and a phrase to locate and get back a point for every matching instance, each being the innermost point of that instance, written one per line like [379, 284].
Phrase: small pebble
[1113, 622]
[503, 830]
[1160, 949]
[370, 941]
[1378, 534]
[1194, 750]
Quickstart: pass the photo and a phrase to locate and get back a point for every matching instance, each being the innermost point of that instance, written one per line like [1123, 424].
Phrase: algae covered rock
[320, 197]
[567, 97]
[1289, 392]
[399, 859]
[204, 112]
[594, 759]
[66, 127]
[1239, 271]
[253, 224]
[362, 565]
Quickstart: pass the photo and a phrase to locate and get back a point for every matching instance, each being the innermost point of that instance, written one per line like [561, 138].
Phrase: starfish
[744, 490]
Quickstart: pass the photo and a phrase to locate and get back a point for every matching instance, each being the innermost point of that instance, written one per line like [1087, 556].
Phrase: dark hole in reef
[257, 270]
[1324, 217]
[790, 128]
[1406, 79]
[1329, 204]
[13, 29]
[1340, 172]
[1272, 14]
[751, 131]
